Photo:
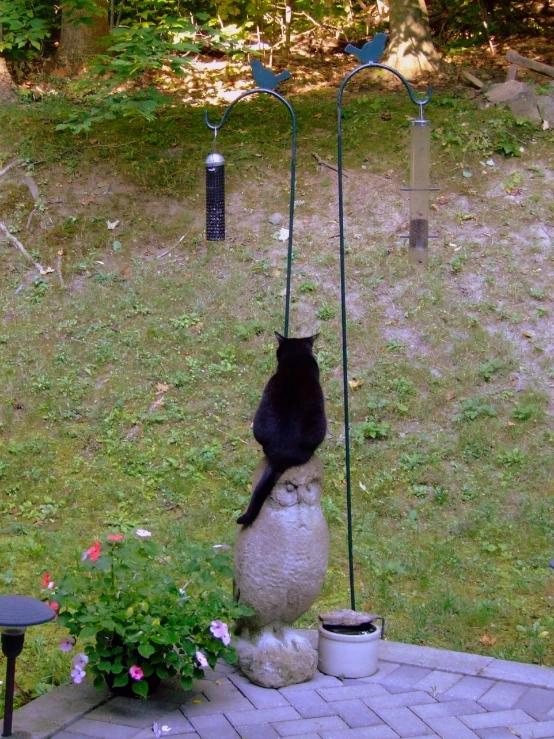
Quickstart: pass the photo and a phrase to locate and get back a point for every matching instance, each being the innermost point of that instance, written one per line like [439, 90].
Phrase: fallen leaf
[355, 383]
[196, 700]
[283, 234]
[487, 640]
[87, 200]
[112, 224]
[528, 334]
[161, 387]
[450, 395]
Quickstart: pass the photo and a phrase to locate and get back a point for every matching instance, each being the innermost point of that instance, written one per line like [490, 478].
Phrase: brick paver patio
[417, 692]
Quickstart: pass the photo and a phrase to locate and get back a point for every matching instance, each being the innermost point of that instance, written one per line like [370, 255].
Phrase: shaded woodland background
[130, 51]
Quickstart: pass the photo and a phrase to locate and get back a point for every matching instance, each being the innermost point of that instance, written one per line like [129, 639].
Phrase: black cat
[290, 421]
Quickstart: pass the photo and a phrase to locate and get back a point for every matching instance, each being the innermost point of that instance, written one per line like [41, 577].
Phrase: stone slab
[214, 726]
[518, 672]
[58, 709]
[103, 730]
[259, 697]
[262, 716]
[403, 721]
[537, 702]
[442, 710]
[131, 712]
[503, 695]
[363, 690]
[310, 704]
[355, 713]
[469, 687]
[368, 732]
[496, 719]
[451, 728]
[434, 659]
[333, 724]
[543, 730]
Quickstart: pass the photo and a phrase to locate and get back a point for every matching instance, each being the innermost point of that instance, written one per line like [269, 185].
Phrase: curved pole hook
[377, 65]
[421, 102]
[217, 126]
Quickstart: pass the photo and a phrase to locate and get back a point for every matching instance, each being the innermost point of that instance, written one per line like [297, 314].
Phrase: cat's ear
[279, 338]
[311, 339]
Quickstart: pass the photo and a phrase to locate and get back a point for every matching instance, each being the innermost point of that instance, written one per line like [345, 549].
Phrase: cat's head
[288, 345]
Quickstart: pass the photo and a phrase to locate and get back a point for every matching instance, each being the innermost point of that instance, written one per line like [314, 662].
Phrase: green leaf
[140, 687]
[121, 680]
[88, 631]
[186, 683]
[146, 650]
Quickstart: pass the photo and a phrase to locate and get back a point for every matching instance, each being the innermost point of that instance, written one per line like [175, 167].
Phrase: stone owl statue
[280, 565]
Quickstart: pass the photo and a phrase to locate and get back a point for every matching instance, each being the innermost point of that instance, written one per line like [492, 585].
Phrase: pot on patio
[349, 643]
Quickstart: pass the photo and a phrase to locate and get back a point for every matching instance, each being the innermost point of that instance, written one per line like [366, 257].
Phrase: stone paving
[417, 692]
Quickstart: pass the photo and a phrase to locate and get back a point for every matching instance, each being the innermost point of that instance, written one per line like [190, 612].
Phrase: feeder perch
[215, 197]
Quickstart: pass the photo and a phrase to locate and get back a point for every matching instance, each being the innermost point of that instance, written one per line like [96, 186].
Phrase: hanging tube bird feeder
[215, 169]
[418, 238]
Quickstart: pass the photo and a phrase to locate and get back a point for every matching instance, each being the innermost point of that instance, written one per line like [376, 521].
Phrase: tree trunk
[78, 40]
[289, 9]
[7, 87]
[410, 49]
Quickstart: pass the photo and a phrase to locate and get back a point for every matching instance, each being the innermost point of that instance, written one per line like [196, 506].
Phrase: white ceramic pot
[348, 655]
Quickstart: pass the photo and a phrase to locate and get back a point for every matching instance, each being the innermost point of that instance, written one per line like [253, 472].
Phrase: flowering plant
[143, 615]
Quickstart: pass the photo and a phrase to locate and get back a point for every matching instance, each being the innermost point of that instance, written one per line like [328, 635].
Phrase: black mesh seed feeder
[17, 612]
[419, 228]
[267, 82]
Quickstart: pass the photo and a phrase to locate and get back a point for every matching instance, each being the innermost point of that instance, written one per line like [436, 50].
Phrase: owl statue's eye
[290, 487]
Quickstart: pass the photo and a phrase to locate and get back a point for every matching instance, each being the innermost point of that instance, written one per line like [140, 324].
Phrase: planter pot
[348, 651]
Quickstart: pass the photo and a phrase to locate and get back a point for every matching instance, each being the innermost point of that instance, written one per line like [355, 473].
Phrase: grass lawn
[126, 397]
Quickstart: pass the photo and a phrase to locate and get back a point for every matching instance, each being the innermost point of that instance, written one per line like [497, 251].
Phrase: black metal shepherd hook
[273, 80]
[417, 247]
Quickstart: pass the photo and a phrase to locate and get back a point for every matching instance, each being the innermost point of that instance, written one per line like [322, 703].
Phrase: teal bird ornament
[370, 51]
[265, 78]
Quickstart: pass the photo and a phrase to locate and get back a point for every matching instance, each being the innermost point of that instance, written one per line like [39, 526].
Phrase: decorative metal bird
[264, 77]
[370, 51]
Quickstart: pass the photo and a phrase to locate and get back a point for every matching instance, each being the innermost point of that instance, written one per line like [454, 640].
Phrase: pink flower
[92, 552]
[220, 630]
[78, 674]
[115, 537]
[66, 645]
[54, 606]
[80, 660]
[202, 661]
[136, 673]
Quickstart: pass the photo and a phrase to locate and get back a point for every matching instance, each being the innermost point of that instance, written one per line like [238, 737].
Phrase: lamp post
[16, 613]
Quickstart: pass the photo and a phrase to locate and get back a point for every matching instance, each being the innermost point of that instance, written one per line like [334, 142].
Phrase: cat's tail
[261, 493]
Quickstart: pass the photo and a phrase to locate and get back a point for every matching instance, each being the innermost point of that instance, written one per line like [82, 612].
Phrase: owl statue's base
[277, 658]
[280, 565]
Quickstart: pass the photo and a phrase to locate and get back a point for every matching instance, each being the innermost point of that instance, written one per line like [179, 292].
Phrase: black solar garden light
[17, 612]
